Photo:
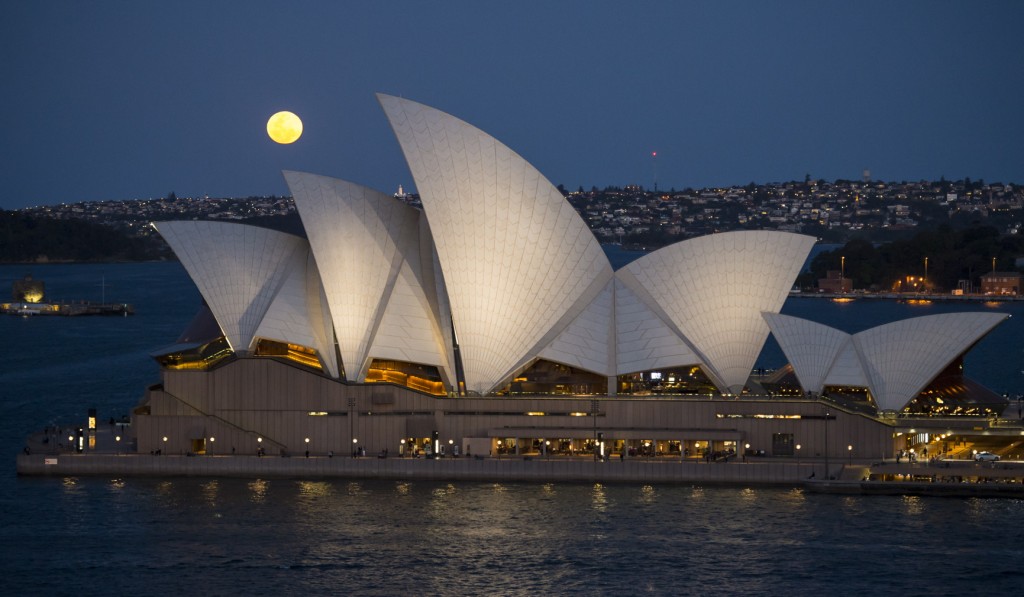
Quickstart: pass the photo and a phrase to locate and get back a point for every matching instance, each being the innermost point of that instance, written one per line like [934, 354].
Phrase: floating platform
[67, 309]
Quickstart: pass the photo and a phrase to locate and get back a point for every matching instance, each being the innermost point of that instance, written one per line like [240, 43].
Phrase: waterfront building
[1001, 283]
[490, 322]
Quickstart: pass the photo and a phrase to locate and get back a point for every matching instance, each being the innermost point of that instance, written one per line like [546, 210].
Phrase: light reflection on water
[383, 537]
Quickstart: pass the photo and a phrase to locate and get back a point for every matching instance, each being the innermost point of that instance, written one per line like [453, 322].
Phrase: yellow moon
[284, 127]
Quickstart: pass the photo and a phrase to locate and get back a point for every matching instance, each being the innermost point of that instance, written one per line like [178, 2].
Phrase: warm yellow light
[284, 127]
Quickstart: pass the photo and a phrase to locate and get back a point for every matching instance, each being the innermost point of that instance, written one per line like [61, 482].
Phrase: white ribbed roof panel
[901, 358]
[361, 240]
[297, 314]
[643, 341]
[714, 289]
[847, 369]
[237, 268]
[811, 348]
[407, 332]
[516, 256]
[587, 341]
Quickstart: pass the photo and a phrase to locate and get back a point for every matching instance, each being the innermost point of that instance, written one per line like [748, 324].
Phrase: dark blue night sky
[129, 99]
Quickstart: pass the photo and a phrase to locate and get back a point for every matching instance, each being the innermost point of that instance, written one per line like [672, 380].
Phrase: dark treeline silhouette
[953, 255]
[29, 239]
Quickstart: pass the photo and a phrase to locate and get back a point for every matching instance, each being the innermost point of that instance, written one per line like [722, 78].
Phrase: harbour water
[290, 536]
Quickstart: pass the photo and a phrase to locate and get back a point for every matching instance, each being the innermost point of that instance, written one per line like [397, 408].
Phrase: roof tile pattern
[238, 269]
[299, 315]
[895, 361]
[516, 256]
[714, 288]
[366, 244]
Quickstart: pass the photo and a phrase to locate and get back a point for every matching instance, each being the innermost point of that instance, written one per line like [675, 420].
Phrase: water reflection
[647, 495]
[209, 491]
[913, 505]
[598, 498]
[258, 491]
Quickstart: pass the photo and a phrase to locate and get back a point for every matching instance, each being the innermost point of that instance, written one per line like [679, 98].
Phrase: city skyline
[122, 100]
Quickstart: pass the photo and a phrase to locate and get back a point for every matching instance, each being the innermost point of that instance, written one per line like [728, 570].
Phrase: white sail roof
[895, 361]
[238, 269]
[713, 289]
[380, 286]
[519, 263]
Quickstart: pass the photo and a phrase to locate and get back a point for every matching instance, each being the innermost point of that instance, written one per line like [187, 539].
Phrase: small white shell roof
[895, 361]
[813, 350]
[239, 270]
[519, 263]
[901, 358]
[713, 290]
[367, 246]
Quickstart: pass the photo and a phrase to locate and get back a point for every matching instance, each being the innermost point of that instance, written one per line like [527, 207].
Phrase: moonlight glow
[284, 127]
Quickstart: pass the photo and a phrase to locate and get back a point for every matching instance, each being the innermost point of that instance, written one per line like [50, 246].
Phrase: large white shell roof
[517, 258]
[713, 290]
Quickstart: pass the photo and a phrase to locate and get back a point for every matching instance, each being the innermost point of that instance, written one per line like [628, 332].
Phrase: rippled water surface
[292, 536]
[236, 536]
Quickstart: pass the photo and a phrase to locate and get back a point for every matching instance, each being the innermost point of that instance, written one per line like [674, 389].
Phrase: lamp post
[307, 447]
[210, 450]
[926, 273]
[798, 455]
[401, 448]
[117, 439]
[849, 452]
[842, 274]
[355, 451]
[827, 415]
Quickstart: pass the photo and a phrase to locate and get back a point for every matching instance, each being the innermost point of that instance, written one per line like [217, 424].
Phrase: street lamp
[798, 454]
[401, 448]
[355, 450]
[842, 273]
[212, 439]
[926, 273]
[307, 447]
[827, 415]
[849, 452]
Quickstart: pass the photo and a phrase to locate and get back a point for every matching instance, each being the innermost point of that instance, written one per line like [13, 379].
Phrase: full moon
[284, 127]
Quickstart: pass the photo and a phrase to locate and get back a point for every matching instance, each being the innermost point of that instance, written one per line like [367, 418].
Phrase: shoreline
[848, 479]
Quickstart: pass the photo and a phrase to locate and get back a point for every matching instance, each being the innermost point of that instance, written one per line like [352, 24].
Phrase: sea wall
[485, 469]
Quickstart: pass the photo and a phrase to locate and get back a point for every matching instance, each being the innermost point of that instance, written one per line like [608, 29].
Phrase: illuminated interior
[196, 357]
[548, 377]
[783, 382]
[303, 355]
[952, 394]
[422, 378]
[687, 380]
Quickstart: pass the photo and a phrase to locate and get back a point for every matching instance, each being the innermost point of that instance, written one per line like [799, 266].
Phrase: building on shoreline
[490, 323]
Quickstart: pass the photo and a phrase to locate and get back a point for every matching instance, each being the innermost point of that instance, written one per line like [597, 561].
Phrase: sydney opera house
[491, 322]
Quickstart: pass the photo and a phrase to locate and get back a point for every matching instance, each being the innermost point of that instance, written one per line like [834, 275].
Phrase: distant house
[834, 282]
[1001, 283]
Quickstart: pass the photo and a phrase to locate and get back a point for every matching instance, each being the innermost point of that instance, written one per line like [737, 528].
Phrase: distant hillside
[27, 239]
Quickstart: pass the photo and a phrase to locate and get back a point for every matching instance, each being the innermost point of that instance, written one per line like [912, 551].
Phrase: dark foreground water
[233, 536]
